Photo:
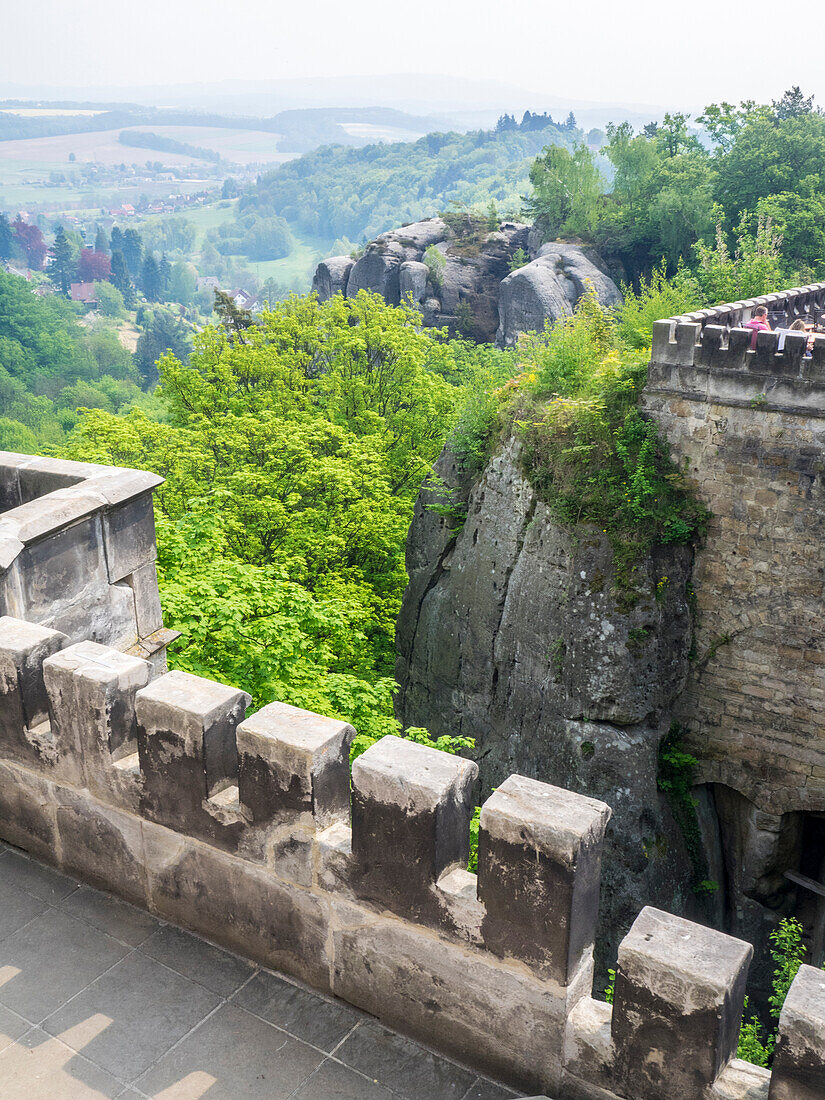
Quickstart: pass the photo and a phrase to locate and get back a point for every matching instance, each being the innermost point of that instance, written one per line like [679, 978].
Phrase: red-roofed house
[83, 292]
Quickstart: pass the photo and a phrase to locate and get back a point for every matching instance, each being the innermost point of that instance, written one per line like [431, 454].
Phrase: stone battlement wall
[252, 831]
[748, 429]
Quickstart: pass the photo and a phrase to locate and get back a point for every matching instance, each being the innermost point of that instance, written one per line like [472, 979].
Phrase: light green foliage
[788, 954]
[668, 193]
[293, 454]
[338, 192]
[675, 780]
[44, 356]
[472, 862]
[567, 188]
[586, 448]
[481, 370]
[655, 298]
[610, 988]
[756, 1043]
[754, 268]
[518, 259]
[109, 300]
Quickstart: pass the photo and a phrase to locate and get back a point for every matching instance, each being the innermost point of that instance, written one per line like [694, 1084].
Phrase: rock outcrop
[331, 276]
[548, 288]
[510, 634]
[470, 289]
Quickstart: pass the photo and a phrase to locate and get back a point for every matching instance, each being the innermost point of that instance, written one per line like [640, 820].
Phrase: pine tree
[62, 267]
[165, 272]
[101, 240]
[150, 278]
[570, 124]
[120, 277]
[132, 251]
[6, 238]
[116, 239]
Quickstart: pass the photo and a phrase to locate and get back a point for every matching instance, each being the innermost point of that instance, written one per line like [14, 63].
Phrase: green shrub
[656, 298]
[435, 261]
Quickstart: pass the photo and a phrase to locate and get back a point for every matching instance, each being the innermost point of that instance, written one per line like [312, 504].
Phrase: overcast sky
[645, 51]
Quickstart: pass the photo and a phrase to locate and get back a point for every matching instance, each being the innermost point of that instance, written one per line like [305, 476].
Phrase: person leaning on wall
[758, 323]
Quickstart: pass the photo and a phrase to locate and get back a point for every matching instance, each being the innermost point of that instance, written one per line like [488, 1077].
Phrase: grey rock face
[331, 276]
[378, 271]
[548, 288]
[509, 634]
[413, 276]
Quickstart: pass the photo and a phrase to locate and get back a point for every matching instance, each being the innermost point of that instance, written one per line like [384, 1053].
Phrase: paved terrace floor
[98, 999]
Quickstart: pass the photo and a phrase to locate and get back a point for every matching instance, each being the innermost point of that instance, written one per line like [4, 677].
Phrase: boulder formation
[464, 282]
[510, 634]
[548, 288]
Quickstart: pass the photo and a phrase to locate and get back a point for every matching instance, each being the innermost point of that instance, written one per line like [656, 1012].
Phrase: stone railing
[254, 831]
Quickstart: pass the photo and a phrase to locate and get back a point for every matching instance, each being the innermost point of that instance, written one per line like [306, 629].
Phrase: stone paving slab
[101, 1000]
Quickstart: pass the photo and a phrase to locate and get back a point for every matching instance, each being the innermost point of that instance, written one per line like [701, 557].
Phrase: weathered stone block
[92, 702]
[23, 700]
[479, 1009]
[539, 860]
[411, 808]
[677, 1006]
[101, 845]
[27, 811]
[129, 535]
[294, 761]
[186, 742]
[148, 614]
[799, 1061]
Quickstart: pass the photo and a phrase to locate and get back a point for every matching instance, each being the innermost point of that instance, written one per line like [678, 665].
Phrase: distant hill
[351, 195]
[299, 130]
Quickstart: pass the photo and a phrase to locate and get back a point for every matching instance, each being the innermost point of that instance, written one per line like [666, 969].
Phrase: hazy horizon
[641, 59]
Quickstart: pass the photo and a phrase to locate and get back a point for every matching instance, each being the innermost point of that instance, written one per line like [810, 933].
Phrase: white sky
[646, 51]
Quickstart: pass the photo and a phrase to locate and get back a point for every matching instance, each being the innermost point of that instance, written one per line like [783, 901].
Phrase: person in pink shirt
[759, 323]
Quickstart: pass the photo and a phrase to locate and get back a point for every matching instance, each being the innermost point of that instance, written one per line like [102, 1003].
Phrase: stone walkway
[98, 999]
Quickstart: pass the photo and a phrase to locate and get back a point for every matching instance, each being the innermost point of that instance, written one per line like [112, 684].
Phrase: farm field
[103, 147]
[49, 112]
[296, 268]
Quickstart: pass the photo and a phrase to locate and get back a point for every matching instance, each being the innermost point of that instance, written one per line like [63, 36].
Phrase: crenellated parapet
[253, 831]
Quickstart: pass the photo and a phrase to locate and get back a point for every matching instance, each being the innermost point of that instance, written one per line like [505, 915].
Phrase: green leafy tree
[101, 240]
[121, 280]
[566, 191]
[109, 300]
[132, 248]
[6, 238]
[292, 463]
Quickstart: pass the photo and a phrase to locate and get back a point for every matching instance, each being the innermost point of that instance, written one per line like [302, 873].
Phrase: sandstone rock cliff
[509, 634]
[470, 290]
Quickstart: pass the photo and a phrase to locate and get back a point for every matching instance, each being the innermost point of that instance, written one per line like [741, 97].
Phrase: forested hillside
[337, 193]
[755, 164]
